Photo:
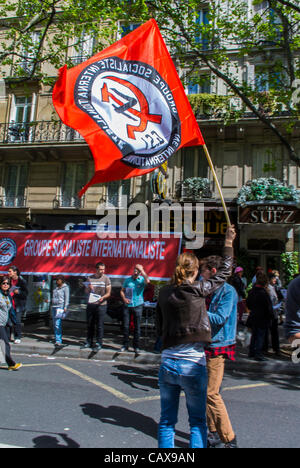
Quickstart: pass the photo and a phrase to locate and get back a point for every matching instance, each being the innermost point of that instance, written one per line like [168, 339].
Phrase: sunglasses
[8, 284]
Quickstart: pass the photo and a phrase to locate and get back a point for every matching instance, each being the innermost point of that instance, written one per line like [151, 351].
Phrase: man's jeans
[137, 316]
[176, 375]
[95, 320]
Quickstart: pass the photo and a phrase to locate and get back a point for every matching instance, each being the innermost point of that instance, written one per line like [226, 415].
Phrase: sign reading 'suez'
[269, 214]
[76, 253]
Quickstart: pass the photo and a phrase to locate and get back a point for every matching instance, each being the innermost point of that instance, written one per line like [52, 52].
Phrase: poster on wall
[76, 253]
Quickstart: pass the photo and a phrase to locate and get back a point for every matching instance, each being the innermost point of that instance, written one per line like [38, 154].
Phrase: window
[19, 127]
[116, 190]
[73, 181]
[266, 79]
[202, 20]
[15, 185]
[29, 53]
[194, 163]
[126, 29]
[85, 49]
[267, 162]
[199, 84]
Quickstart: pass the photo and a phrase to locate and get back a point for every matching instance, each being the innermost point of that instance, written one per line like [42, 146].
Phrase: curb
[242, 364]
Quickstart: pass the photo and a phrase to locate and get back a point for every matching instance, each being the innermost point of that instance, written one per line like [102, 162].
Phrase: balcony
[13, 202]
[68, 201]
[37, 132]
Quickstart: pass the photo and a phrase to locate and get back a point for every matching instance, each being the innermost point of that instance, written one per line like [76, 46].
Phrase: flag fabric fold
[130, 106]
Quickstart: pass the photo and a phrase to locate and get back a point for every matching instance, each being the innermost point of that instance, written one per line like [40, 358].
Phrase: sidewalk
[38, 340]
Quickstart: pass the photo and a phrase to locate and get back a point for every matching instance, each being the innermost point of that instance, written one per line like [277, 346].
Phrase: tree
[262, 36]
[38, 32]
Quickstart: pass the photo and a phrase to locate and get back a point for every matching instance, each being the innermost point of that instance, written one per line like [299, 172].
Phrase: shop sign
[76, 253]
[269, 214]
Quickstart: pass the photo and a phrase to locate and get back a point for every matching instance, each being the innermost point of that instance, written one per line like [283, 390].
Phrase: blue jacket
[292, 321]
[222, 315]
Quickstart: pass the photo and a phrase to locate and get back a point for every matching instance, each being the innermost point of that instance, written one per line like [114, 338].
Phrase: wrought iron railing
[37, 132]
[68, 201]
[13, 202]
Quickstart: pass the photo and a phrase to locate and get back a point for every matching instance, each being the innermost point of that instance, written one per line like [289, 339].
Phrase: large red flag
[129, 104]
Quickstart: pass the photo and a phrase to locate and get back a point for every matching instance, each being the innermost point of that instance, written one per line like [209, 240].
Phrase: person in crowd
[292, 317]
[222, 315]
[261, 314]
[183, 324]
[258, 271]
[19, 293]
[7, 315]
[99, 290]
[132, 294]
[240, 286]
[60, 304]
[275, 298]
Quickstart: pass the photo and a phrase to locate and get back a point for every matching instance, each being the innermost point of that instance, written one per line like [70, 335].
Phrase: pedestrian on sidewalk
[132, 294]
[240, 285]
[183, 323]
[275, 299]
[19, 293]
[292, 319]
[7, 318]
[222, 315]
[99, 290]
[60, 304]
[261, 314]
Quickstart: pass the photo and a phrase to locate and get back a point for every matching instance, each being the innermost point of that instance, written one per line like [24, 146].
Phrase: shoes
[137, 350]
[86, 346]
[17, 341]
[213, 440]
[232, 444]
[57, 344]
[97, 348]
[124, 348]
[16, 367]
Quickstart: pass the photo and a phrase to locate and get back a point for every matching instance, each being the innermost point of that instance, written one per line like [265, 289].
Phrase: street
[73, 403]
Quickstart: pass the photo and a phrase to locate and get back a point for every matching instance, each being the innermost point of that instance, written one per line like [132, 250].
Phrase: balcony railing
[13, 202]
[68, 201]
[37, 132]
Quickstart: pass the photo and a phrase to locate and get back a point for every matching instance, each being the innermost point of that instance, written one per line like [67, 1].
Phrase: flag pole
[217, 183]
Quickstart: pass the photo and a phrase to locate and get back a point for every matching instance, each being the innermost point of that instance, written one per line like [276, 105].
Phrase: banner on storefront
[76, 253]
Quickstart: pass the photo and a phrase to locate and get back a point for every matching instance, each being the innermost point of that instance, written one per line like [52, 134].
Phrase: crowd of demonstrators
[183, 324]
[7, 320]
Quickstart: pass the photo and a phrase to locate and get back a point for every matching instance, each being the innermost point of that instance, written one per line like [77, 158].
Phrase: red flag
[129, 104]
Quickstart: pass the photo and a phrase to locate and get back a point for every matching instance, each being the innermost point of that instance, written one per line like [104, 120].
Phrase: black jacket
[261, 309]
[181, 315]
[20, 299]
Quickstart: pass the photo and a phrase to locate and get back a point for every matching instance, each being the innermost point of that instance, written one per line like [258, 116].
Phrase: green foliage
[290, 262]
[37, 32]
[267, 189]
[196, 187]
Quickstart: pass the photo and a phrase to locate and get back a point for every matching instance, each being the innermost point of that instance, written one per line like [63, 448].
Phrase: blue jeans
[57, 326]
[176, 375]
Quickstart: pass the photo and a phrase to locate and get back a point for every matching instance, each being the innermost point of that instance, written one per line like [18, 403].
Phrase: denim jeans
[137, 316]
[57, 326]
[176, 375]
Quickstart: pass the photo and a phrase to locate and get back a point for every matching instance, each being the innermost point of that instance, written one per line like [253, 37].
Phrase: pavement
[38, 340]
